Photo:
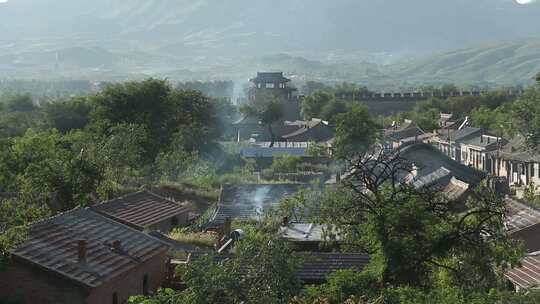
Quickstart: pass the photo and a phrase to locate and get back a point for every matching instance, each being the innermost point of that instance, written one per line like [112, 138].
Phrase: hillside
[388, 42]
[503, 63]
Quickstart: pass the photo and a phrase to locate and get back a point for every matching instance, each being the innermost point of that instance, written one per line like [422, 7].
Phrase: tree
[286, 163]
[19, 103]
[268, 113]
[261, 271]
[67, 115]
[526, 117]
[16, 214]
[356, 132]
[312, 105]
[311, 87]
[161, 110]
[44, 162]
[377, 211]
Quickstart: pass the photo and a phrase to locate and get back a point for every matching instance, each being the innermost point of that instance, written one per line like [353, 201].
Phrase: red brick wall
[131, 283]
[31, 285]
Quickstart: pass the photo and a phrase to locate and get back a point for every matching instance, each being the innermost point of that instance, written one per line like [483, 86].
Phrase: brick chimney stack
[117, 245]
[82, 249]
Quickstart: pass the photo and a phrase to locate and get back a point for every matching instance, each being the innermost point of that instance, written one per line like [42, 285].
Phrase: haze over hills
[330, 39]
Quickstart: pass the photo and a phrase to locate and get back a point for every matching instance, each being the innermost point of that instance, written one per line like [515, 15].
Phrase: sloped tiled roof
[53, 245]
[520, 216]
[428, 160]
[246, 202]
[527, 275]
[398, 135]
[141, 209]
[272, 152]
[460, 135]
[314, 266]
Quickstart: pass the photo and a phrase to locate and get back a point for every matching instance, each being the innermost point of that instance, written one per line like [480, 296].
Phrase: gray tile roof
[272, 152]
[141, 209]
[527, 275]
[315, 266]
[463, 134]
[520, 216]
[406, 133]
[247, 202]
[428, 160]
[52, 245]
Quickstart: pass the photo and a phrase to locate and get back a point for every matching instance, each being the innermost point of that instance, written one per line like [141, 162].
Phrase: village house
[449, 141]
[248, 202]
[145, 210]
[526, 276]
[405, 134]
[523, 223]
[521, 167]
[475, 151]
[427, 160]
[443, 181]
[83, 257]
[264, 155]
[315, 130]
[315, 267]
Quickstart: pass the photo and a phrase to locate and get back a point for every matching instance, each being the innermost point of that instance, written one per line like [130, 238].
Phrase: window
[270, 85]
[145, 285]
[115, 298]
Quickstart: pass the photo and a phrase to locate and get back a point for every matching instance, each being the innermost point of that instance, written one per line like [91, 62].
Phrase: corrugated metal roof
[520, 216]
[53, 245]
[141, 209]
[247, 202]
[528, 274]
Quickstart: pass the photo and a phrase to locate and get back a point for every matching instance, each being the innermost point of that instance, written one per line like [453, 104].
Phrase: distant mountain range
[334, 40]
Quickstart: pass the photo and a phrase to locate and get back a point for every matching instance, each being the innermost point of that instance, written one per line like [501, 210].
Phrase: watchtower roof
[270, 77]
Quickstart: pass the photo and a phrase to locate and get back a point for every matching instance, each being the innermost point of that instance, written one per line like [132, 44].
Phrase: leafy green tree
[161, 110]
[268, 113]
[15, 216]
[526, 117]
[43, 162]
[312, 105]
[332, 109]
[311, 87]
[67, 115]
[286, 163]
[19, 103]
[317, 149]
[261, 271]
[356, 132]
[395, 223]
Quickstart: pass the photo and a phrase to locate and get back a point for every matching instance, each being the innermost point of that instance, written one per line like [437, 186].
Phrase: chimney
[117, 245]
[81, 248]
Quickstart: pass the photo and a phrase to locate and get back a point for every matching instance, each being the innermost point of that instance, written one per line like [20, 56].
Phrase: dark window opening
[174, 221]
